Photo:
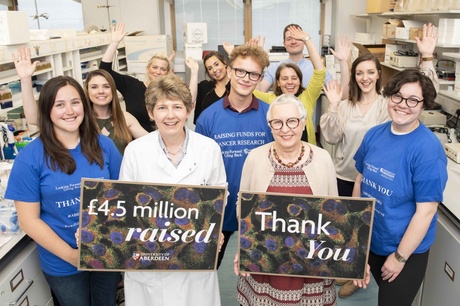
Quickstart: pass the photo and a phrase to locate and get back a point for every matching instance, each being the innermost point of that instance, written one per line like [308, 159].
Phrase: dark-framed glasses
[241, 73]
[277, 124]
[410, 102]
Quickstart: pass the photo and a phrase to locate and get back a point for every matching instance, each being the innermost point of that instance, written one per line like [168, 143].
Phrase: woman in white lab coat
[173, 154]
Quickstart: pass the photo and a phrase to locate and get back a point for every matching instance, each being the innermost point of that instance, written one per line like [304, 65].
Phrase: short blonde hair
[162, 57]
[168, 87]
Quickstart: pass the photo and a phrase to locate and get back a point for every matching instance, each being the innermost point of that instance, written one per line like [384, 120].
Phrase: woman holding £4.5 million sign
[173, 154]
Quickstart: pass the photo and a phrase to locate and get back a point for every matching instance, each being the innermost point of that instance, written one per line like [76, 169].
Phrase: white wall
[341, 17]
[136, 14]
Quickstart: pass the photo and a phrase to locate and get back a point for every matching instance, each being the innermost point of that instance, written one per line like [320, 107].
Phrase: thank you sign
[297, 235]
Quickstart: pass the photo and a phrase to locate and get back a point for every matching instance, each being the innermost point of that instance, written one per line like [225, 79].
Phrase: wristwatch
[399, 257]
[306, 38]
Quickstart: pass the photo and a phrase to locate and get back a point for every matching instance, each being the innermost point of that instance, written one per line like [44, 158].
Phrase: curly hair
[254, 52]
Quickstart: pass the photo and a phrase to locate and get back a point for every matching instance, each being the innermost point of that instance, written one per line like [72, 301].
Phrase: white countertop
[4, 249]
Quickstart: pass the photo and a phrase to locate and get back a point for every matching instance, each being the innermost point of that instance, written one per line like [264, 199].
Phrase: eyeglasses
[277, 124]
[410, 102]
[241, 73]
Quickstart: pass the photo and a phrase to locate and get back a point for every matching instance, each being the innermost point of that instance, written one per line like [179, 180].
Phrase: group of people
[245, 139]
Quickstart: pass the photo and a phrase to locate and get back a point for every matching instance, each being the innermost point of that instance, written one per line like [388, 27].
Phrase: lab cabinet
[442, 278]
[22, 281]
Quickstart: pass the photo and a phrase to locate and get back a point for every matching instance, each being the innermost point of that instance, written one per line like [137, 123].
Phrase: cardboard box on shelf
[404, 31]
[364, 38]
[14, 28]
[415, 32]
[195, 33]
[379, 6]
[194, 51]
[389, 27]
[377, 50]
[140, 49]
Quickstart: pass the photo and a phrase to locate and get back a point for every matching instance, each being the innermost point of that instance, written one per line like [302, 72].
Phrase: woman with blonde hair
[132, 89]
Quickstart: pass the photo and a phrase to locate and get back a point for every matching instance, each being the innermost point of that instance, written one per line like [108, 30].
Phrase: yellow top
[308, 97]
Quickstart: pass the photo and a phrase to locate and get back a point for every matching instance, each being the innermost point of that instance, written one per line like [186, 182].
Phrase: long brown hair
[57, 155]
[120, 127]
[220, 57]
[276, 89]
[355, 93]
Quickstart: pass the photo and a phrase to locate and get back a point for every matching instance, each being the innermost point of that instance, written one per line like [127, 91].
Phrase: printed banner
[299, 235]
[141, 226]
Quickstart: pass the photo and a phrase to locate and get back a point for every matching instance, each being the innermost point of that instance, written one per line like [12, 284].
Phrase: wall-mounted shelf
[452, 55]
[391, 66]
[65, 56]
[442, 12]
[451, 94]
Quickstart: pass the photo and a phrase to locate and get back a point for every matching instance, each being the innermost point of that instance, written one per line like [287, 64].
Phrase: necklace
[289, 165]
[174, 154]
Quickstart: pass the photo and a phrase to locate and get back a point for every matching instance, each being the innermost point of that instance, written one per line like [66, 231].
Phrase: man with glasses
[238, 123]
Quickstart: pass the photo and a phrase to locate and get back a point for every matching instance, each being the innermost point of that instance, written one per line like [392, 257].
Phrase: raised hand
[172, 56]
[228, 47]
[192, 64]
[118, 32]
[23, 64]
[297, 33]
[333, 92]
[257, 41]
[343, 48]
[427, 44]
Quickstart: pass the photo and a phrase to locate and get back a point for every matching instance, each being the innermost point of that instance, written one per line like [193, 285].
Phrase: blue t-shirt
[58, 193]
[400, 171]
[237, 134]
